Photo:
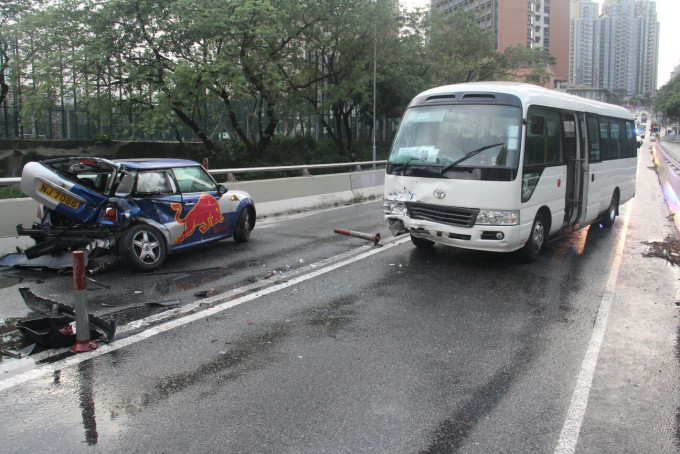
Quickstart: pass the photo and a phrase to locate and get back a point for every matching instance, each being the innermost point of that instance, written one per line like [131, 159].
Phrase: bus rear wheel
[534, 245]
[613, 209]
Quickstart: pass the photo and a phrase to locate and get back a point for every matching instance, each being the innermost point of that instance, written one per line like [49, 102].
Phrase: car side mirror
[537, 123]
[222, 189]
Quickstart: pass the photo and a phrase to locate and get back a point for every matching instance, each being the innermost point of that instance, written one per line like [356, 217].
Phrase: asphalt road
[304, 341]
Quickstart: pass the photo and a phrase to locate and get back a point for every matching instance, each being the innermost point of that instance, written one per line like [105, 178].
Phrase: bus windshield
[465, 135]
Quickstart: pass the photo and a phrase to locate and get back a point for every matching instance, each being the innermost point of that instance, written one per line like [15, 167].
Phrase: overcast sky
[668, 15]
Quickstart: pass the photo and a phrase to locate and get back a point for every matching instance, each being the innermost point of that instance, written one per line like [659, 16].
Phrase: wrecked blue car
[139, 209]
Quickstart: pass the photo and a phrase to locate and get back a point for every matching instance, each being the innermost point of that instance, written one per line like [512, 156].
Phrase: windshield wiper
[401, 166]
[468, 155]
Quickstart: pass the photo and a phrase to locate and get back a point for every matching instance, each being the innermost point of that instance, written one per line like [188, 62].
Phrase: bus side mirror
[537, 123]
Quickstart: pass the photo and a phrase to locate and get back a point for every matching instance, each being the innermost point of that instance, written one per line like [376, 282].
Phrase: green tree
[668, 101]
[11, 11]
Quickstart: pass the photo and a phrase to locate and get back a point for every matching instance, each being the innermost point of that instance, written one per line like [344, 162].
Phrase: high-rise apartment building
[616, 50]
[584, 47]
[648, 29]
[533, 23]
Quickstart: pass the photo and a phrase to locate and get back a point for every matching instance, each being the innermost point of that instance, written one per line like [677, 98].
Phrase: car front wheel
[244, 226]
[143, 247]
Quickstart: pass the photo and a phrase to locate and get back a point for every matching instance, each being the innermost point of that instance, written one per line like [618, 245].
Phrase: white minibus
[502, 166]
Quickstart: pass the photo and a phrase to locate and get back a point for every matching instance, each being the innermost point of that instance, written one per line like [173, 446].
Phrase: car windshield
[468, 135]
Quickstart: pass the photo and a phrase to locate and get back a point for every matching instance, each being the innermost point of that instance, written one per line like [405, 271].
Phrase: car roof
[154, 163]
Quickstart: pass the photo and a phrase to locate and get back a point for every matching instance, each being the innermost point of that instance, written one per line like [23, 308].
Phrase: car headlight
[392, 207]
[497, 217]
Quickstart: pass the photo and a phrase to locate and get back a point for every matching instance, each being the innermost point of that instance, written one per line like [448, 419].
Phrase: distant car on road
[140, 209]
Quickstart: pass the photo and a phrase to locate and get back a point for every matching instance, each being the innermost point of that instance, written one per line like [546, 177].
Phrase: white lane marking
[46, 369]
[579, 399]
[30, 362]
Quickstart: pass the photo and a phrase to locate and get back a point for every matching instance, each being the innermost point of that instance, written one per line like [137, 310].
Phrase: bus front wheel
[534, 245]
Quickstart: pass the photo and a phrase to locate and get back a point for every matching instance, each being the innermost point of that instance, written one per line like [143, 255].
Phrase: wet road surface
[324, 343]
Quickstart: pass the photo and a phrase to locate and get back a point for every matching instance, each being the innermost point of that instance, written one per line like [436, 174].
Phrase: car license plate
[59, 196]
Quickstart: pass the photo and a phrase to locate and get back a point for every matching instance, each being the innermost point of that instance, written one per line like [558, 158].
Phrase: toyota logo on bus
[439, 194]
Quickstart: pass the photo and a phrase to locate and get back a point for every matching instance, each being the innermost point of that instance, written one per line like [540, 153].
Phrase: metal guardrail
[303, 167]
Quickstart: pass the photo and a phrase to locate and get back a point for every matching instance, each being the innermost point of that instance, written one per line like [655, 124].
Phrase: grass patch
[11, 192]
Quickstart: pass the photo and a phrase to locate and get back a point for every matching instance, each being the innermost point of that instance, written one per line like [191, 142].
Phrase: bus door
[583, 162]
[574, 184]
[594, 180]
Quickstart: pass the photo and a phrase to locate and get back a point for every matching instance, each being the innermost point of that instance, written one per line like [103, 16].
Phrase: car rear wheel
[143, 247]
[244, 226]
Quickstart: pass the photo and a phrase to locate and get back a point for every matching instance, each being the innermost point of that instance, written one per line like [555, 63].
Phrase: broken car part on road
[51, 330]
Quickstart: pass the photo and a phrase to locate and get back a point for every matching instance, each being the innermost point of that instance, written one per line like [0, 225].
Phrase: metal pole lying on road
[83, 342]
[365, 236]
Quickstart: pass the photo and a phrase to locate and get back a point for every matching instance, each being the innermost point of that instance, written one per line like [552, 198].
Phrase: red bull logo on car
[203, 216]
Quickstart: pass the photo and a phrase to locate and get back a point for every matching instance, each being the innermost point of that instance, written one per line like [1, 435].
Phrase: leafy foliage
[668, 101]
[266, 69]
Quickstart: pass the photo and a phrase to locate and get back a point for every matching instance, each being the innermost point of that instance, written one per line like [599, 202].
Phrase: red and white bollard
[364, 236]
[83, 342]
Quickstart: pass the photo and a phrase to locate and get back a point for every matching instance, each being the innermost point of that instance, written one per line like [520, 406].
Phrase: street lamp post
[375, 60]
[375, 53]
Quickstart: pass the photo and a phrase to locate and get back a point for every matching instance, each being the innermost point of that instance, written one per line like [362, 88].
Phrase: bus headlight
[497, 217]
[392, 207]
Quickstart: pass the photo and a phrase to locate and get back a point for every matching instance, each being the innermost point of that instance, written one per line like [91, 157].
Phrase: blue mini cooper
[139, 209]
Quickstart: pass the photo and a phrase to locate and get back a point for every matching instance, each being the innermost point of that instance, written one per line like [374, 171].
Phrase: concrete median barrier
[272, 197]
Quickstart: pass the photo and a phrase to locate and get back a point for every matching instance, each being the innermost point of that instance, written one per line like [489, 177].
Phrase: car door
[199, 215]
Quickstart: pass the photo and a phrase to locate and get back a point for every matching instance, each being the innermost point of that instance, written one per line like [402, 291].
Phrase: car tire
[143, 247]
[534, 245]
[421, 242]
[610, 216]
[244, 226]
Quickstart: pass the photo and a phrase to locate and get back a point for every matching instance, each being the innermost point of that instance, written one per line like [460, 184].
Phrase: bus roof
[528, 94]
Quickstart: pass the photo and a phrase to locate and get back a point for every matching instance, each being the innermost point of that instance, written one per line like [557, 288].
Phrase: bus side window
[569, 125]
[615, 141]
[533, 149]
[544, 148]
[632, 142]
[593, 139]
[604, 139]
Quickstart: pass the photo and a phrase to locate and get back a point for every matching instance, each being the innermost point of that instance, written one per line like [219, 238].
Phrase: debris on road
[364, 236]
[165, 303]
[206, 293]
[21, 353]
[103, 329]
[53, 332]
[52, 261]
[98, 283]
[669, 249]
